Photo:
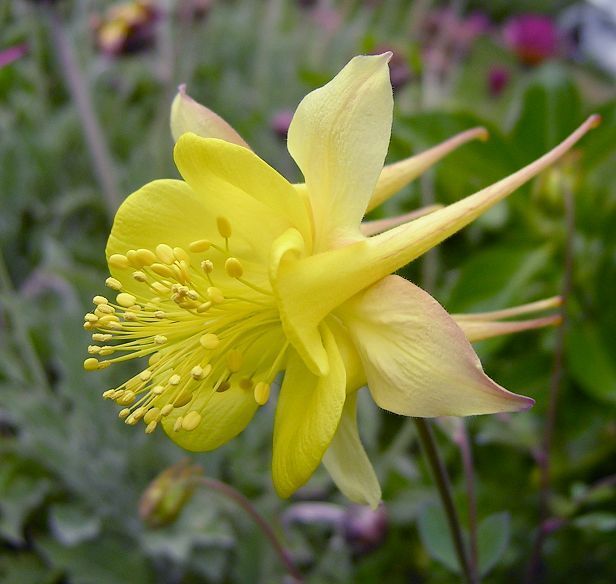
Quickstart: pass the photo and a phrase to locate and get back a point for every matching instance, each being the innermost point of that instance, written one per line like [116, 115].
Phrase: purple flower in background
[532, 37]
[7, 56]
[280, 122]
[498, 77]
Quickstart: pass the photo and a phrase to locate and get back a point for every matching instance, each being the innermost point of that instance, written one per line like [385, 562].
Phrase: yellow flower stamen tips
[113, 284]
[118, 261]
[209, 341]
[234, 268]
[200, 245]
[191, 420]
[262, 392]
[224, 227]
[164, 253]
[91, 364]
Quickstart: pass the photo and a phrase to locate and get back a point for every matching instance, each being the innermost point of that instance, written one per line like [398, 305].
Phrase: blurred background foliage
[71, 475]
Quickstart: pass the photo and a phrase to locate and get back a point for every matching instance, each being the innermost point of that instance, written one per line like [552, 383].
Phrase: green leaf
[599, 521]
[492, 539]
[435, 536]
[550, 110]
[591, 363]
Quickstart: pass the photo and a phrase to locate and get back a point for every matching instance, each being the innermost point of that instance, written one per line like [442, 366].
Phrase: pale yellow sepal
[307, 416]
[396, 176]
[188, 115]
[347, 461]
[417, 360]
[339, 137]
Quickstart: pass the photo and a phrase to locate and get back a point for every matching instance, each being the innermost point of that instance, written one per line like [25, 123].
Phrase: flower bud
[166, 495]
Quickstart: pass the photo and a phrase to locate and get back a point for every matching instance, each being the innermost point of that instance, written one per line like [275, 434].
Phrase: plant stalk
[264, 526]
[441, 479]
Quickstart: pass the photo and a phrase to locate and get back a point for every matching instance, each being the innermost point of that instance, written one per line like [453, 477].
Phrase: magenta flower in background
[8, 56]
[498, 78]
[532, 37]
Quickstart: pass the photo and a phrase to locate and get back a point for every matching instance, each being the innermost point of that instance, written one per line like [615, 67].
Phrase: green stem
[441, 478]
[82, 99]
[261, 522]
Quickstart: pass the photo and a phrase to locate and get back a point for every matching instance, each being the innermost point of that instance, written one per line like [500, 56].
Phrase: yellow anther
[166, 410]
[246, 383]
[158, 390]
[101, 337]
[162, 270]
[131, 254]
[152, 415]
[104, 364]
[197, 373]
[191, 420]
[262, 392]
[175, 379]
[90, 317]
[200, 245]
[88, 326]
[178, 424]
[234, 268]
[145, 257]
[94, 349]
[234, 360]
[207, 266]
[180, 254]
[113, 284]
[123, 414]
[224, 386]
[130, 316]
[139, 413]
[91, 364]
[117, 260]
[209, 341]
[224, 227]
[107, 318]
[135, 308]
[159, 314]
[125, 299]
[165, 253]
[145, 375]
[151, 427]
[154, 358]
[160, 339]
[160, 287]
[127, 398]
[140, 276]
[184, 398]
[215, 295]
[113, 324]
[104, 309]
[131, 420]
[108, 394]
[204, 307]
[99, 300]
[179, 274]
[192, 294]
[107, 350]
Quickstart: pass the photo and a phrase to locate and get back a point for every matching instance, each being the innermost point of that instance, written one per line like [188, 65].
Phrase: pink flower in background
[532, 37]
[280, 122]
[8, 56]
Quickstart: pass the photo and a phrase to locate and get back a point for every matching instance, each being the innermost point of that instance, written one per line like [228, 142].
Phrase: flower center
[201, 319]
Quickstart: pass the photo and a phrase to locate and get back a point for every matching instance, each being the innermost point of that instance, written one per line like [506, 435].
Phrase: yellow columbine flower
[233, 275]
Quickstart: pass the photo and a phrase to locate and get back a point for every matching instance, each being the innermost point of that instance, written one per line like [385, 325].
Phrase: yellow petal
[339, 138]
[308, 289]
[396, 176]
[369, 228]
[224, 417]
[418, 361]
[258, 201]
[347, 461]
[478, 330]
[307, 415]
[188, 115]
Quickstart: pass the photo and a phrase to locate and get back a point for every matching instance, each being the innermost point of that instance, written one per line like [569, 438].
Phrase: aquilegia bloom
[233, 275]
